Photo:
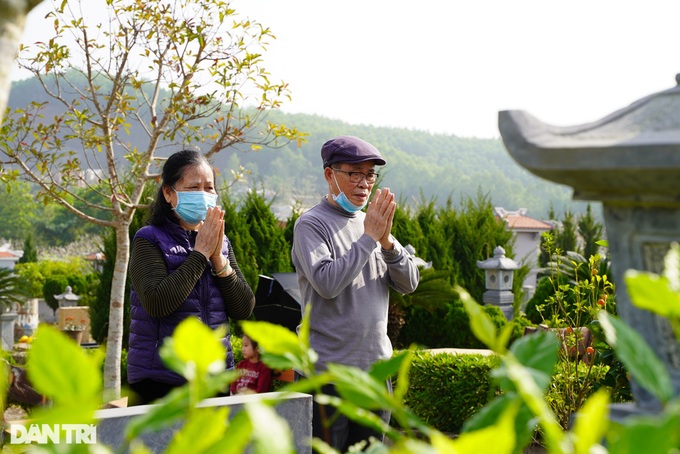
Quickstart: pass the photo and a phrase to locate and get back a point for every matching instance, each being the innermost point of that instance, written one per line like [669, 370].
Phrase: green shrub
[570, 378]
[444, 327]
[54, 285]
[236, 345]
[446, 389]
[538, 310]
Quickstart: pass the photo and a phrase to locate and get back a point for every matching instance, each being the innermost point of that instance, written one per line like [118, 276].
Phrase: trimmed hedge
[448, 326]
[446, 389]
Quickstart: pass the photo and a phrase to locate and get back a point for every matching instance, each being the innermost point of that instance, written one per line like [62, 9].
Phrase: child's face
[249, 352]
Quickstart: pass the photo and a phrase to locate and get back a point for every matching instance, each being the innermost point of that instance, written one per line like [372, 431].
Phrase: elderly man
[346, 260]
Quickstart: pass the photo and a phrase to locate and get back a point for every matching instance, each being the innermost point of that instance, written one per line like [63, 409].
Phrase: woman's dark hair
[173, 171]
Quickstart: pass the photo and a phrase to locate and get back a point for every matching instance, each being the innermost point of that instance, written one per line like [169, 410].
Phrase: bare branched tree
[182, 72]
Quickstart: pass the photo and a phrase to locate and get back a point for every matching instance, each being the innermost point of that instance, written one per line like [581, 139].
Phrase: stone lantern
[499, 271]
[68, 298]
[630, 161]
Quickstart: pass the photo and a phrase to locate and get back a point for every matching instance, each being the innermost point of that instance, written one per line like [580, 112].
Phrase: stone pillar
[639, 239]
[630, 161]
[28, 316]
[7, 330]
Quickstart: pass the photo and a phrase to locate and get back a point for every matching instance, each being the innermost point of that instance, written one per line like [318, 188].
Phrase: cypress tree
[245, 250]
[406, 229]
[273, 255]
[30, 252]
[591, 231]
[566, 239]
[435, 242]
[474, 232]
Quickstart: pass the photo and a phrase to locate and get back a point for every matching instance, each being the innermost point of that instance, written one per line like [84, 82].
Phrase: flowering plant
[71, 325]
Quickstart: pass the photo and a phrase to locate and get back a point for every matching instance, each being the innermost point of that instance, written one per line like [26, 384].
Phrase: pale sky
[449, 66]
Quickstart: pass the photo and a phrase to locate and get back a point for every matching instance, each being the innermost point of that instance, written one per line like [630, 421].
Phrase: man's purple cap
[350, 150]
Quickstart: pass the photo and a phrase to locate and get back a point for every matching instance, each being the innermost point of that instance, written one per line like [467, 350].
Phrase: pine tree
[474, 232]
[273, 255]
[30, 252]
[566, 239]
[435, 248]
[245, 250]
[591, 232]
[406, 229]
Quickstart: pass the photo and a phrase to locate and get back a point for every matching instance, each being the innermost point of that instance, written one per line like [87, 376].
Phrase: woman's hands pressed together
[209, 240]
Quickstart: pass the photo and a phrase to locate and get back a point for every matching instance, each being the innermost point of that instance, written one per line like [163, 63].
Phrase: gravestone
[295, 408]
[630, 161]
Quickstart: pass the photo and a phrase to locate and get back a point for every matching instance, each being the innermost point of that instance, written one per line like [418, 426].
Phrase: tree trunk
[12, 22]
[114, 341]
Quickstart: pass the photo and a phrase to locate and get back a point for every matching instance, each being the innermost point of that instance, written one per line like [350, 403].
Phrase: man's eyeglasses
[356, 177]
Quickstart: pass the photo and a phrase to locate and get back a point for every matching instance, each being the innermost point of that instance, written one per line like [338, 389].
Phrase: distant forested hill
[421, 166]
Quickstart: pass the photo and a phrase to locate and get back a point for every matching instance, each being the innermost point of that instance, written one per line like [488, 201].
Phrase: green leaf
[653, 293]
[382, 370]
[499, 438]
[403, 379]
[357, 414]
[197, 347]
[591, 422]
[480, 322]
[171, 408]
[61, 370]
[271, 433]
[504, 337]
[490, 414]
[646, 434]
[236, 437]
[175, 405]
[273, 339]
[359, 388]
[537, 352]
[638, 358]
[204, 428]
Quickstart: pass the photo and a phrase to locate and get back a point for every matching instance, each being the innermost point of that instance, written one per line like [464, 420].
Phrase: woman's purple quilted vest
[205, 302]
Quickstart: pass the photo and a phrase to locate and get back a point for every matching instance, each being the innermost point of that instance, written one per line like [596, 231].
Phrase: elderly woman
[181, 265]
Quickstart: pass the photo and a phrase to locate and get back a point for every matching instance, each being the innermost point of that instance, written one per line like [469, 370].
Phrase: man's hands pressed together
[379, 217]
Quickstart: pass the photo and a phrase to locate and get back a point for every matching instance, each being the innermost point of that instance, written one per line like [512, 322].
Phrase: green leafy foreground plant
[72, 380]
[579, 289]
[526, 365]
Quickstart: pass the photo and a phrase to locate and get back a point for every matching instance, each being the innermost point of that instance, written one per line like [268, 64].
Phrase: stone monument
[630, 161]
[499, 272]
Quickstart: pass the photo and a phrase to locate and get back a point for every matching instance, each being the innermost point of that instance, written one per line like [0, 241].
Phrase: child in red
[255, 376]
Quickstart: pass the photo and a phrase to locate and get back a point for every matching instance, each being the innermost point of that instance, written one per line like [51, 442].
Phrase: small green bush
[446, 389]
[544, 290]
[569, 378]
[55, 285]
[236, 346]
[447, 327]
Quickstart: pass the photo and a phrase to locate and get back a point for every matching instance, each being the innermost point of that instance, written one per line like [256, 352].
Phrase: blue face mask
[342, 200]
[192, 206]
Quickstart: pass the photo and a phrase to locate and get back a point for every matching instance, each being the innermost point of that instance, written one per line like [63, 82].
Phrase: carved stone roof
[629, 156]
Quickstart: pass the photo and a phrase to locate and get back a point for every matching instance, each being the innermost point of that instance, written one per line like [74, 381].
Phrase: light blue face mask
[342, 200]
[192, 206]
